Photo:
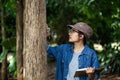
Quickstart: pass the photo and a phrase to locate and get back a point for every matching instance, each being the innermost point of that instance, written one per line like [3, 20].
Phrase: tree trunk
[34, 51]
[4, 62]
[19, 33]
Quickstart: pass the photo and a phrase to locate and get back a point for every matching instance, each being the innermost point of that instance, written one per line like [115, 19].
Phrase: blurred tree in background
[102, 15]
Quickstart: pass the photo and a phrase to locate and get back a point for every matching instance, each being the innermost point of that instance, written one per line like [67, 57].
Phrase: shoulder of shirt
[66, 45]
[89, 50]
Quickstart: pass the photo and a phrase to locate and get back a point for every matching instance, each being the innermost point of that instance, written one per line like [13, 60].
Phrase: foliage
[10, 46]
[110, 58]
[10, 42]
[94, 12]
[102, 15]
[12, 66]
[3, 55]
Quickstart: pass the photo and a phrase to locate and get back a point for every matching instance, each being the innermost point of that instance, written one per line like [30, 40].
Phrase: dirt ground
[110, 77]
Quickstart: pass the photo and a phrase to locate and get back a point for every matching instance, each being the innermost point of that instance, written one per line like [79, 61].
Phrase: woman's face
[73, 35]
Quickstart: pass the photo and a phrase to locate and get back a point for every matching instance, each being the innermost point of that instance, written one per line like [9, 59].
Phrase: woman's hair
[84, 40]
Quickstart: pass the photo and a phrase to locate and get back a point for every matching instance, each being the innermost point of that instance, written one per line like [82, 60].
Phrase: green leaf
[13, 49]
[15, 73]
[3, 55]
[110, 55]
[12, 65]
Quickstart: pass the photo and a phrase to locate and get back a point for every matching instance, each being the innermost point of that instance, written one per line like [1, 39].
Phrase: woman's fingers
[47, 30]
[90, 70]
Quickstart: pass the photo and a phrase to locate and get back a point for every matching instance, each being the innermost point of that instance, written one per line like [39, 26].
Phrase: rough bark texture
[34, 51]
[4, 62]
[19, 33]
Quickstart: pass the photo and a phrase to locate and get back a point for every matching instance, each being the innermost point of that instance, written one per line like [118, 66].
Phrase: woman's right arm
[53, 51]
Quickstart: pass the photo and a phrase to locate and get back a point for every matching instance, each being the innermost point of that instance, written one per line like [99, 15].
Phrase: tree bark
[4, 62]
[19, 38]
[34, 51]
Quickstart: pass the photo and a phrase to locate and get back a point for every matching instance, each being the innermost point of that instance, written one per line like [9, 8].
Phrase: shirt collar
[84, 51]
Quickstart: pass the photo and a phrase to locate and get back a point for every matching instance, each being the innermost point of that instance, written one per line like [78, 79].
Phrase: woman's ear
[81, 36]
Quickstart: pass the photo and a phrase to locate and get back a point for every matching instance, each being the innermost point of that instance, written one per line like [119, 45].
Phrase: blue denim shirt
[63, 55]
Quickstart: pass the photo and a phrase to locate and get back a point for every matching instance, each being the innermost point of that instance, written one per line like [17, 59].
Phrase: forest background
[102, 15]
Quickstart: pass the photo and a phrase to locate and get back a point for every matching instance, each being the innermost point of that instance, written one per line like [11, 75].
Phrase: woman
[70, 57]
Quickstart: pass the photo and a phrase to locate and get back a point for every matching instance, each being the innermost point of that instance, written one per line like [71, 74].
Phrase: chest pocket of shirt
[84, 61]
